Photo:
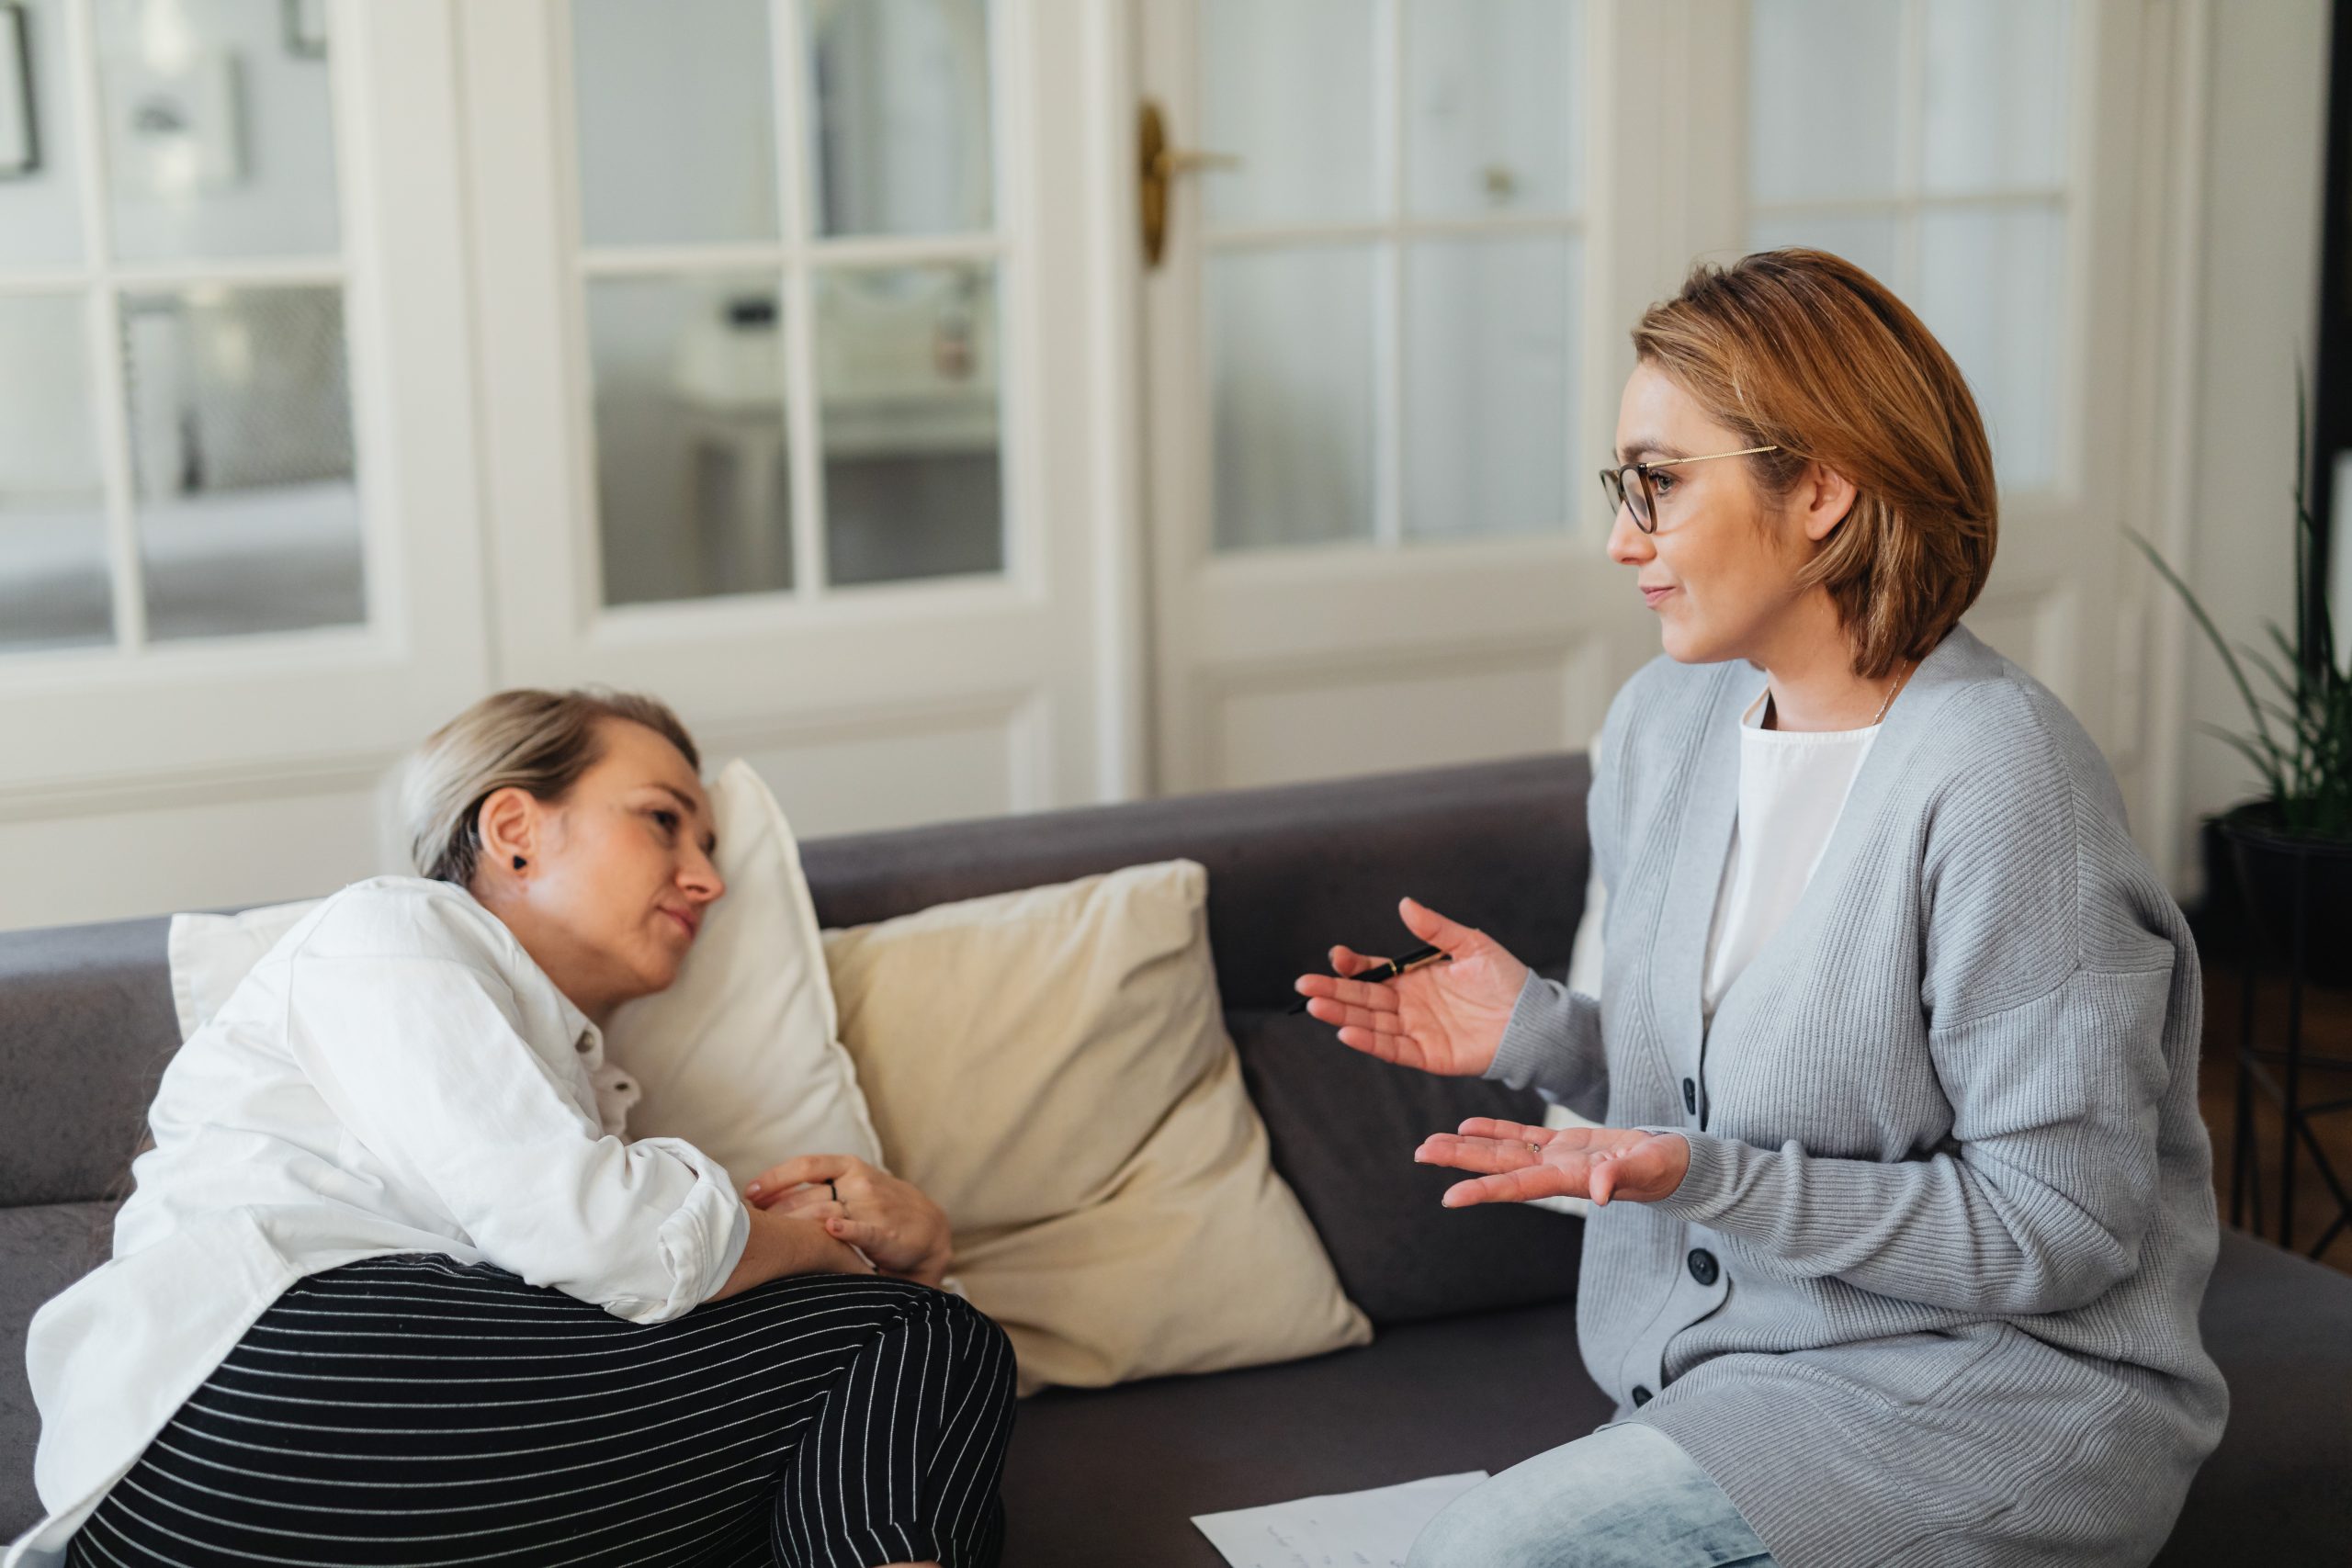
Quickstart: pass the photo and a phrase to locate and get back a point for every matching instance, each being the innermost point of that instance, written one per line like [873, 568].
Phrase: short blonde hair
[1804, 351]
[534, 740]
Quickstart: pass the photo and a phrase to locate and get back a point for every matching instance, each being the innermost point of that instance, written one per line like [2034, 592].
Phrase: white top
[396, 1075]
[1791, 789]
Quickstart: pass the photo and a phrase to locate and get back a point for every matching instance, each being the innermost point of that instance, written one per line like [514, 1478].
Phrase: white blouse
[396, 1075]
[1792, 788]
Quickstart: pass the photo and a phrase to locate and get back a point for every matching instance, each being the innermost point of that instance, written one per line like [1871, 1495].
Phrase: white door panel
[736, 443]
[1303, 627]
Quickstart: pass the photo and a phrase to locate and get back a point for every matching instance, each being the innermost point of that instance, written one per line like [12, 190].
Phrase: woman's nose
[701, 879]
[1628, 546]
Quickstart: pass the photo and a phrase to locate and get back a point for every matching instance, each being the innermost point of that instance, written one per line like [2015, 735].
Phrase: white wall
[2258, 310]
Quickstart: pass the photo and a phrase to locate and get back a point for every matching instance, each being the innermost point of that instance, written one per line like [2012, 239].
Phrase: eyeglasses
[1629, 487]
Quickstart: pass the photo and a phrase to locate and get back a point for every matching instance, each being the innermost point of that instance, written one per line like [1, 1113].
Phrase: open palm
[1445, 1017]
[1516, 1163]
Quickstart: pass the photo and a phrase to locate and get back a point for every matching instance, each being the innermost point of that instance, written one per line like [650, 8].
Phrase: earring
[518, 862]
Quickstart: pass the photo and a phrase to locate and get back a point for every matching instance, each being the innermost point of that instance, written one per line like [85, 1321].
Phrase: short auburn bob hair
[1806, 352]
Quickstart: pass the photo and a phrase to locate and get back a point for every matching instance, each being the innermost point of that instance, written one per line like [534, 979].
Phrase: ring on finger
[835, 1191]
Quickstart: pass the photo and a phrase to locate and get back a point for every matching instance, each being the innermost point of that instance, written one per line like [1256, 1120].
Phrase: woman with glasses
[1902, 1206]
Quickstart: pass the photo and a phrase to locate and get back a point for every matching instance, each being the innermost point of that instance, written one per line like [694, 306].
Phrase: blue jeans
[1625, 1498]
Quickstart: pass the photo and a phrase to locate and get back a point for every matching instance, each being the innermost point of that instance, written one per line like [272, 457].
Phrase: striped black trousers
[415, 1410]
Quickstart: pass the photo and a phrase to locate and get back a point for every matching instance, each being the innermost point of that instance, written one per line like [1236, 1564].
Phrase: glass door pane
[675, 110]
[54, 589]
[834, 419]
[1291, 383]
[1942, 168]
[1393, 271]
[220, 130]
[228, 466]
[1290, 89]
[907, 369]
[40, 174]
[900, 116]
[693, 481]
[241, 460]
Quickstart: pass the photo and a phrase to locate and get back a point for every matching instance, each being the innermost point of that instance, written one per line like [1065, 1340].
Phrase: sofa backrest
[85, 1011]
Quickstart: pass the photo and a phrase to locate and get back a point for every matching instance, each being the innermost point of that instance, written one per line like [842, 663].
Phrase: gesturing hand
[1445, 1017]
[888, 1220]
[1520, 1162]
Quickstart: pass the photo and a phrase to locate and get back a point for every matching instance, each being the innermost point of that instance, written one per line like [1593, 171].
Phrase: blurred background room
[962, 407]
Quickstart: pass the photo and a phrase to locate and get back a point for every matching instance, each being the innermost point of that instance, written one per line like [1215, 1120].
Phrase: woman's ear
[508, 824]
[1828, 496]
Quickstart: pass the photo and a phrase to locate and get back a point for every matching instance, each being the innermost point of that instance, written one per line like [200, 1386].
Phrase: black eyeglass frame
[1619, 493]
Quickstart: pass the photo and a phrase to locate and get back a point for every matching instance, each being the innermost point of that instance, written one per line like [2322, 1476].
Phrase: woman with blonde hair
[1904, 1208]
[393, 1287]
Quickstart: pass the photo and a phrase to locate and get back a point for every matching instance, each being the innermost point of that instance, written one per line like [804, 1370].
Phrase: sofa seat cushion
[43, 1248]
[1115, 1475]
[2280, 1487]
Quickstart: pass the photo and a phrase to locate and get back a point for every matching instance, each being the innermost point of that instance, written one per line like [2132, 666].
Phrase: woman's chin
[1685, 646]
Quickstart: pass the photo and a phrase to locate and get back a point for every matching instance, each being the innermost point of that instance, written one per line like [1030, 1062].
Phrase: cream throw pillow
[1052, 1067]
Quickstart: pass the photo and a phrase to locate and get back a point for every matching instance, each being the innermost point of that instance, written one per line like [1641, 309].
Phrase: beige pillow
[1051, 1065]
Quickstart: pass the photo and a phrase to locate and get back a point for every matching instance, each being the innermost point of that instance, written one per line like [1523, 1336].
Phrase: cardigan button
[1690, 1096]
[1640, 1395]
[1702, 1266]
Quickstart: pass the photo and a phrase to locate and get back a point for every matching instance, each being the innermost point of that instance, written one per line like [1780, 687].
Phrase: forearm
[780, 1245]
[1553, 1045]
[1937, 1231]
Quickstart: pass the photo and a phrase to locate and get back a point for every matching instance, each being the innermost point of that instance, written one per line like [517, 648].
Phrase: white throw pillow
[740, 1057]
[210, 954]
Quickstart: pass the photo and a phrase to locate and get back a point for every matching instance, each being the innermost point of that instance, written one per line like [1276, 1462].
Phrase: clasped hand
[863, 1206]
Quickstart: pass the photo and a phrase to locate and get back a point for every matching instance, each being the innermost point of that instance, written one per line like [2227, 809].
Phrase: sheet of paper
[1349, 1530]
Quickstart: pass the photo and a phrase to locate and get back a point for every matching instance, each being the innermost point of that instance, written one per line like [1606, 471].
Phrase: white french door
[791, 407]
[1384, 345]
[1372, 401]
[236, 443]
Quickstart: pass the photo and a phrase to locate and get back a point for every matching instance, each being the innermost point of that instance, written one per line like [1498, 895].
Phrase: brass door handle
[1157, 164]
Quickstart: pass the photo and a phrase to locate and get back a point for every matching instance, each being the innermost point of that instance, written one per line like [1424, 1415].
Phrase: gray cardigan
[1928, 1293]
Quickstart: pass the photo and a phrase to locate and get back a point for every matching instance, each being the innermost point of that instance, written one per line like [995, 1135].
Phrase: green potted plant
[2291, 847]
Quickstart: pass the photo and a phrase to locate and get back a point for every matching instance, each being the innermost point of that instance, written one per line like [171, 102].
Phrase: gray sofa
[1474, 1365]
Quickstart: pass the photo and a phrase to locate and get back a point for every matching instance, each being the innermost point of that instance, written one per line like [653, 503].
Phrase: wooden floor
[2327, 1030]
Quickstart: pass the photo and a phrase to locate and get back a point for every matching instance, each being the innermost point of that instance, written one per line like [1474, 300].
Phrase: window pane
[1992, 288]
[1291, 379]
[907, 370]
[694, 496]
[900, 104]
[1489, 405]
[1288, 87]
[219, 127]
[1824, 85]
[53, 586]
[677, 121]
[40, 205]
[1492, 116]
[240, 418]
[1870, 241]
[1997, 93]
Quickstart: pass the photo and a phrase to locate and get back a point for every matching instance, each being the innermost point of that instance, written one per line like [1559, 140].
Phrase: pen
[1389, 971]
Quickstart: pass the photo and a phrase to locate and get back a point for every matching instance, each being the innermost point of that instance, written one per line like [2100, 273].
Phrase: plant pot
[2289, 882]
